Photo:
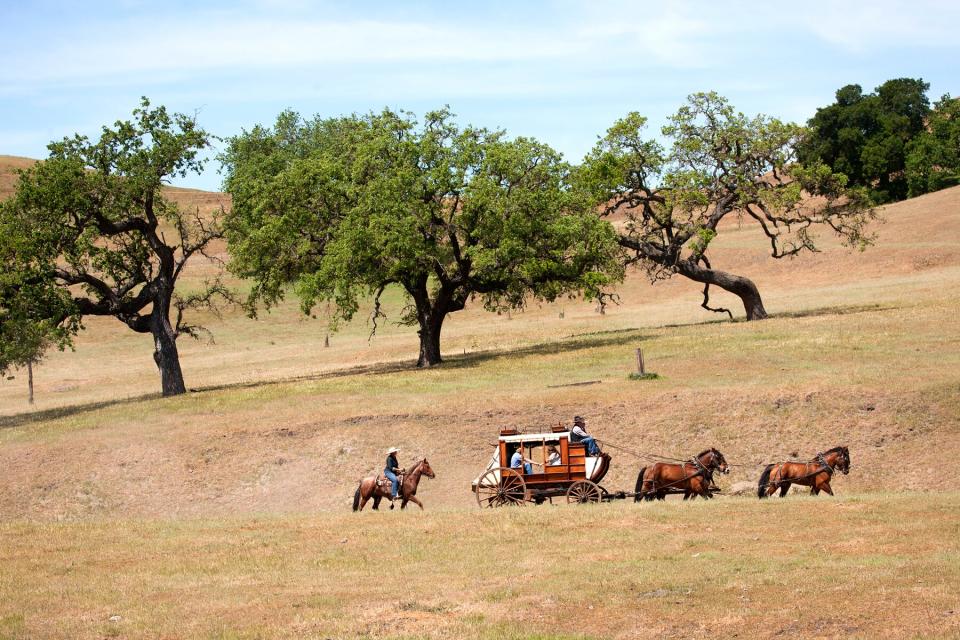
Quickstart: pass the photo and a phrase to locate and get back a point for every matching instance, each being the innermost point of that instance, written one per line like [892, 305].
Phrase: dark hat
[577, 418]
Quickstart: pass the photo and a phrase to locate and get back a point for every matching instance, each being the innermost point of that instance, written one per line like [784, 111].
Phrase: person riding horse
[390, 471]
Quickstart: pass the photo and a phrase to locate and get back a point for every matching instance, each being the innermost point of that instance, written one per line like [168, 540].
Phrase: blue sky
[561, 71]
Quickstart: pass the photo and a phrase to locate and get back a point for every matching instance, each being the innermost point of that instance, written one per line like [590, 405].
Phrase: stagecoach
[575, 475]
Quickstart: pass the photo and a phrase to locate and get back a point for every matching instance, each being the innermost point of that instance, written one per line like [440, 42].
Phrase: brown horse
[694, 478]
[370, 488]
[815, 474]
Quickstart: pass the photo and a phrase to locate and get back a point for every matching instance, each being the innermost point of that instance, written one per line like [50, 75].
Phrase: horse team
[695, 478]
[654, 482]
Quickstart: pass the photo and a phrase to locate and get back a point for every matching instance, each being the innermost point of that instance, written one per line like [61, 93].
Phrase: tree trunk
[30, 381]
[737, 285]
[165, 352]
[430, 340]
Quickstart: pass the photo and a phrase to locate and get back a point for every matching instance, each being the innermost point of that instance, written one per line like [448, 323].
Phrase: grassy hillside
[862, 351]
[224, 513]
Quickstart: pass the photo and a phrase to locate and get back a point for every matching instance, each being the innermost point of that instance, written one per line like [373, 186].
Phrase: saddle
[384, 483]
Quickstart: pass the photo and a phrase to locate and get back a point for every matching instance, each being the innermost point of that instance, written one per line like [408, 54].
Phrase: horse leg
[415, 501]
[376, 501]
[784, 488]
[826, 487]
[647, 489]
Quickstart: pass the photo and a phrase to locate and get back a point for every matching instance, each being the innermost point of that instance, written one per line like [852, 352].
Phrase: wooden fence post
[640, 368]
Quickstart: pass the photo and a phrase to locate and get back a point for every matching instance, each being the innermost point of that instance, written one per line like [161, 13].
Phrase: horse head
[713, 459]
[426, 470]
[843, 460]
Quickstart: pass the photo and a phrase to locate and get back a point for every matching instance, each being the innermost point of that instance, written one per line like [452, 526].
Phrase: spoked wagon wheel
[501, 487]
[583, 491]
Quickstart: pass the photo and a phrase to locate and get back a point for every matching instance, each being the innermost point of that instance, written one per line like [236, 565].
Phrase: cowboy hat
[393, 450]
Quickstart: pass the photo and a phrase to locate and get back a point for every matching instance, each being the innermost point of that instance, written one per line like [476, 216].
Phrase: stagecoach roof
[525, 437]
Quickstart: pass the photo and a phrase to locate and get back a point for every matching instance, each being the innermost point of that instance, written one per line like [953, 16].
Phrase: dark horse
[815, 474]
[694, 478]
[370, 488]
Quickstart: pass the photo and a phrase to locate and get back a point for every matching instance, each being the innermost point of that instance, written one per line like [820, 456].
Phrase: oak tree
[866, 136]
[90, 233]
[719, 164]
[341, 208]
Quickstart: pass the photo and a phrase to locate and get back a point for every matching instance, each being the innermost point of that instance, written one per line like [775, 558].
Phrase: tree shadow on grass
[570, 343]
[841, 310]
[575, 342]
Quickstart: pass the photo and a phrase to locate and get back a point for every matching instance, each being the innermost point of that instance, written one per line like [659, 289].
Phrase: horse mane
[834, 450]
[706, 451]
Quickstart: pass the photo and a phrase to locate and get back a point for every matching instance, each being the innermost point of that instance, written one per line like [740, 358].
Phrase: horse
[369, 488]
[815, 474]
[694, 477]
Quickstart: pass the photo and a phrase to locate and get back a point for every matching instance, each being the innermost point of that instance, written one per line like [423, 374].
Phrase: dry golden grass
[220, 513]
[870, 566]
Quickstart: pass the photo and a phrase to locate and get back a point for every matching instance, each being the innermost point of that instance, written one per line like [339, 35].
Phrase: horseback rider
[579, 434]
[390, 471]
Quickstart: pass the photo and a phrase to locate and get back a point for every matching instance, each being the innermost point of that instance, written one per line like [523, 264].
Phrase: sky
[561, 71]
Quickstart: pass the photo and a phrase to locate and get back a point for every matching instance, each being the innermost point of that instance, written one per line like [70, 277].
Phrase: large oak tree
[718, 164]
[89, 233]
[342, 208]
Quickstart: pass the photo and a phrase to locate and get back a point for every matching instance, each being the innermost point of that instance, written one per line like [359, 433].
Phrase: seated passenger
[517, 462]
[553, 457]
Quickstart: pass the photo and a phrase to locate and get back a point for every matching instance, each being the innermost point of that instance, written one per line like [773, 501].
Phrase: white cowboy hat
[393, 450]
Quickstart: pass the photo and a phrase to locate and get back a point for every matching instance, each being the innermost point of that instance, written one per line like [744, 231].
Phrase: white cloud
[196, 44]
[861, 27]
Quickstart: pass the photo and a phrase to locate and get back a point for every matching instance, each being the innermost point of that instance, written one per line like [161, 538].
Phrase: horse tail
[637, 489]
[764, 480]
[356, 497]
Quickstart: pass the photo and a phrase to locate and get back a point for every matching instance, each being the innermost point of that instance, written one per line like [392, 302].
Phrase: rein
[643, 455]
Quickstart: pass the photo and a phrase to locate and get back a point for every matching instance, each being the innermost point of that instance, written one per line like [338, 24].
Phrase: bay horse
[369, 488]
[815, 474]
[694, 477]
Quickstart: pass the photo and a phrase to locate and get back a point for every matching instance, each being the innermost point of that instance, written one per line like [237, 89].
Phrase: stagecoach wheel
[584, 491]
[507, 489]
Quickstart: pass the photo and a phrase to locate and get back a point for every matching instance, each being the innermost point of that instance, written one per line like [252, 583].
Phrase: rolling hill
[224, 513]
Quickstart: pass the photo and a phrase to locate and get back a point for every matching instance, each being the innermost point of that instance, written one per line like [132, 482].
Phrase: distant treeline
[890, 141]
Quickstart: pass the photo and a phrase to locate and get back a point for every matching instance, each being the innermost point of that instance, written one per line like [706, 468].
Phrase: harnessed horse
[815, 474]
[694, 477]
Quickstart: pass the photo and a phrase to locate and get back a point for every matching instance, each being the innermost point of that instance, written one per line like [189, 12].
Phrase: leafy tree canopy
[343, 207]
[933, 157]
[89, 232]
[866, 136]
